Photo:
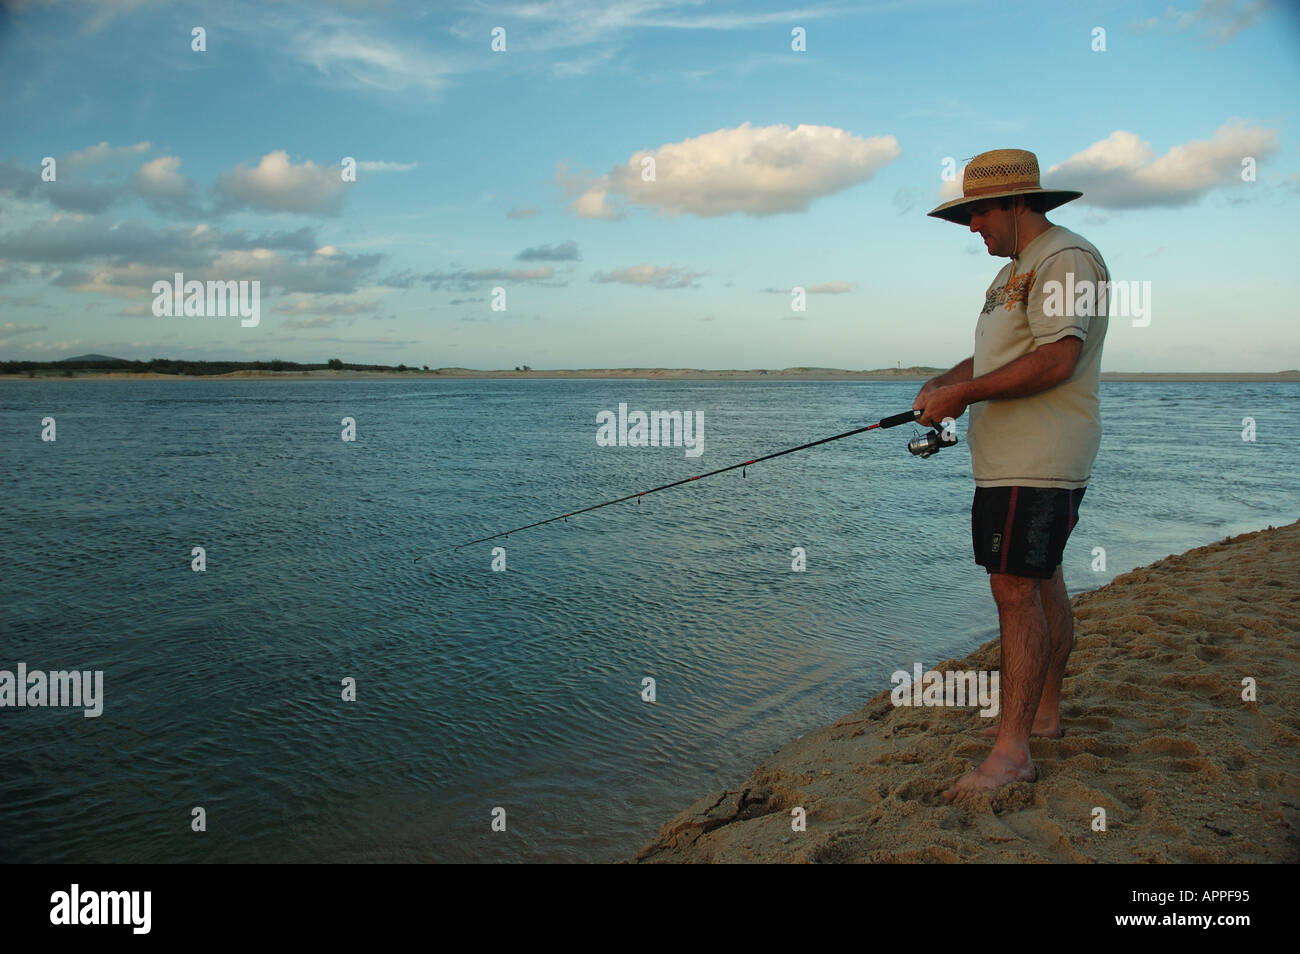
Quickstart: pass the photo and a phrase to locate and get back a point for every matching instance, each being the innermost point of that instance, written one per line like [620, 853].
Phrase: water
[518, 690]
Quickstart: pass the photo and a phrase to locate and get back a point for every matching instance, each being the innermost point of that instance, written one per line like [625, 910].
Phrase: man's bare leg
[1026, 654]
[1060, 632]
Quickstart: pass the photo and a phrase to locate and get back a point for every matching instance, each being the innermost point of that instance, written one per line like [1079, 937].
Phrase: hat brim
[957, 212]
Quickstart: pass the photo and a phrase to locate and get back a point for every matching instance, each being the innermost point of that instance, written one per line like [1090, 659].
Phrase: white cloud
[753, 170]
[561, 24]
[160, 180]
[275, 184]
[1123, 171]
[345, 54]
[101, 152]
[657, 276]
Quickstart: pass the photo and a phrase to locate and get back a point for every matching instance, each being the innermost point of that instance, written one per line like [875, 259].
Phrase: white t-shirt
[1049, 439]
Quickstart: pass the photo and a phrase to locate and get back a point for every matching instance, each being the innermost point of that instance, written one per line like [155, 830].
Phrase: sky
[634, 183]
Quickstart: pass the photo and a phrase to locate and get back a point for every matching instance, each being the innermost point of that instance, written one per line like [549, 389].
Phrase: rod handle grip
[896, 419]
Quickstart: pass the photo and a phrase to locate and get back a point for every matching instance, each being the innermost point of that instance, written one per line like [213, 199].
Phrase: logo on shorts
[997, 543]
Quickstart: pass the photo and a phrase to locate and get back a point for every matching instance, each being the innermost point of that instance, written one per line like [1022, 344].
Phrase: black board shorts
[1022, 530]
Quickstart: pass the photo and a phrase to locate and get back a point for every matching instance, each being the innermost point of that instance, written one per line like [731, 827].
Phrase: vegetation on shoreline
[69, 366]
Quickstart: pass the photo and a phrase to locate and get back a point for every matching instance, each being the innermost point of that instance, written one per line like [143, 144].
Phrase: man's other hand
[938, 403]
[926, 389]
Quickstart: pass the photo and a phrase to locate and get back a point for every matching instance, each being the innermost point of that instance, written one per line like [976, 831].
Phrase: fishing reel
[929, 444]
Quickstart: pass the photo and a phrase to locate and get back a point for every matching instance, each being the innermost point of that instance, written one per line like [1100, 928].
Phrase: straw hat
[1001, 172]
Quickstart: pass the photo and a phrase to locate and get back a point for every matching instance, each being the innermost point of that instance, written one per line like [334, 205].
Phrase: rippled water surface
[516, 689]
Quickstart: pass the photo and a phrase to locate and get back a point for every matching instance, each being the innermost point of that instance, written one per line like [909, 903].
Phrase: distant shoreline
[648, 374]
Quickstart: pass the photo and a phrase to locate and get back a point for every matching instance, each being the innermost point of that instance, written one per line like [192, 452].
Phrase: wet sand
[1157, 734]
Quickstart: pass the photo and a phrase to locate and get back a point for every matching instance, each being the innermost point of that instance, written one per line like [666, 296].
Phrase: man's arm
[962, 371]
[1037, 371]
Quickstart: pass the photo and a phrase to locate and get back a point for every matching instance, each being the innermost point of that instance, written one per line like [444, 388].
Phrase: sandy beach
[1157, 735]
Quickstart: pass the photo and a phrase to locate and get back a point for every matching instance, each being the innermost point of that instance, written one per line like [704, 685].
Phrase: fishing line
[922, 447]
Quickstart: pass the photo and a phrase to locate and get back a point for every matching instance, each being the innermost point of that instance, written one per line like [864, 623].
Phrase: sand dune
[1157, 734]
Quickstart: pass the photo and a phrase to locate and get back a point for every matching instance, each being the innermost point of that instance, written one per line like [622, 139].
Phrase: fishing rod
[922, 446]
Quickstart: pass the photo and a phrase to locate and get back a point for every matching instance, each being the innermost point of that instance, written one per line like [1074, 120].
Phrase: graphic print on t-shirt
[1014, 292]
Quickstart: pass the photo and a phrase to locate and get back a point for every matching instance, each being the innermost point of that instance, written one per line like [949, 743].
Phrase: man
[1032, 388]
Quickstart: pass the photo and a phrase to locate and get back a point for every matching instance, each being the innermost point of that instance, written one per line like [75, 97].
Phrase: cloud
[469, 280]
[95, 255]
[1219, 19]
[104, 11]
[658, 276]
[64, 240]
[275, 184]
[344, 53]
[564, 252]
[582, 65]
[25, 301]
[318, 322]
[403, 279]
[380, 342]
[903, 200]
[375, 165]
[160, 183]
[524, 212]
[565, 24]
[1123, 172]
[330, 306]
[827, 288]
[9, 329]
[752, 170]
[273, 270]
[33, 347]
[101, 152]
[70, 194]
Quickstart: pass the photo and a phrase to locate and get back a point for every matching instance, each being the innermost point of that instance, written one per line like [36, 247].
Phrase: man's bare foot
[1047, 730]
[994, 772]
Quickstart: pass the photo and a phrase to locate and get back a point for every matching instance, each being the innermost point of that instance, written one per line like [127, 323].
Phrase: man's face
[995, 225]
